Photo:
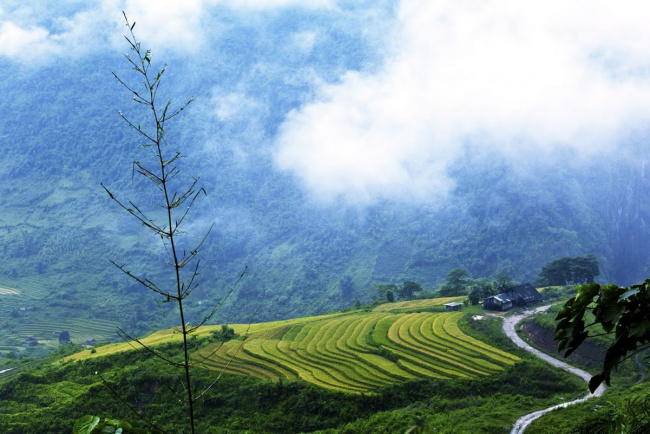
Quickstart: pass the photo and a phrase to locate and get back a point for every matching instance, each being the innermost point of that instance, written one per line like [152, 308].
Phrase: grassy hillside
[369, 370]
[355, 352]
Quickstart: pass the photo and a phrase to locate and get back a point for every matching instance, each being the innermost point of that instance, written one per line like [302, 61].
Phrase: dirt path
[509, 324]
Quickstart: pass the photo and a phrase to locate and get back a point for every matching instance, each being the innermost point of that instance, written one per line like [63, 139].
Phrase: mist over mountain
[334, 139]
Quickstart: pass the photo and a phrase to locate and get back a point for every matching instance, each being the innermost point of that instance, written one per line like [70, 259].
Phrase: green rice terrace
[355, 352]
[32, 326]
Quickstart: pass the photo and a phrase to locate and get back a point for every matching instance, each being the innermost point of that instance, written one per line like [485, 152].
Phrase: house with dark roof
[517, 296]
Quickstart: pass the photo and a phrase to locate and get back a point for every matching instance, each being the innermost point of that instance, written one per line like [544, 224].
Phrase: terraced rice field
[418, 304]
[8, 291]
[34, 287]
[19, 301]
[354, 352]
[80, 330]
[360, 352]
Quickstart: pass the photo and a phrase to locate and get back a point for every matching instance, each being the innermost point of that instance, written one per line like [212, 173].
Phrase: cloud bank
[518, 79]
[27, 41]
[35, 33]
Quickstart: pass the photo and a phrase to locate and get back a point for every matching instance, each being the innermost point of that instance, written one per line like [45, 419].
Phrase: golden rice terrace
[358, 353]
[354, 352]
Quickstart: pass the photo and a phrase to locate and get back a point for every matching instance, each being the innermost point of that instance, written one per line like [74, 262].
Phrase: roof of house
[527, 292]
[453, 304]
[501, 297]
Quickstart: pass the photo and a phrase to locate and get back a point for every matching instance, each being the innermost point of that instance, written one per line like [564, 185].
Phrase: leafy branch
[622, 312]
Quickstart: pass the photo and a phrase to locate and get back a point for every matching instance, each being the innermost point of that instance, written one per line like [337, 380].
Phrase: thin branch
[178, 111]
[137, 128]
[141, 218]
[201, 190]
[197, 397]
[190, 285]
[202, 361]
[186, 259]
[145, 282]
[124, 335]
[218, 306]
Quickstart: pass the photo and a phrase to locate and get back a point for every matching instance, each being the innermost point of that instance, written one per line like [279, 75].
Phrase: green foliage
[346, 285]
[408, 289]
[503, 281]
[569, 271]
[85, 425]
[224, 334]
[623, 409]
[64, 337]
[479, 289]
[383, 288]
[95, 425]
[456, 283]
[632, 416]
[390, 296]
[53, 397]
[623, 312]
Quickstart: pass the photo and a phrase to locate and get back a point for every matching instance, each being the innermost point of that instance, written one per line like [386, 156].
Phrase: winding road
[509, 324]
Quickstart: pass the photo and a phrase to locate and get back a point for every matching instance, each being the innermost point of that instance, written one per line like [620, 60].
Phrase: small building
[517, 296]
[450, 307]
[497, 302]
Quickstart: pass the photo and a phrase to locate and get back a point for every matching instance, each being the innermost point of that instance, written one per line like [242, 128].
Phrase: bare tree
[162, 170]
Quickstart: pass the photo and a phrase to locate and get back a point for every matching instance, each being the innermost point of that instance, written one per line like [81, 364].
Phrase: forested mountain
[60, 137]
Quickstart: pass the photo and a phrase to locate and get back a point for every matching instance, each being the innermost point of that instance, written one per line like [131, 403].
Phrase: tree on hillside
[479, 289]
[456, 283]
[503, 281]
[64, 337]
[621, 311]
[405, 291]
[569, 271]
[408, 289]
[160, 166]
[346, 286]
[383, 288]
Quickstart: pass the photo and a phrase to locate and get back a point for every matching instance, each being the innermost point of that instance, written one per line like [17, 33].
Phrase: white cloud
[166, 24]
[35, 44]
[24, 43]
[181, 25]
[304, 41]
[229, 106]
[519, 78]
[178, 26]
[271, 4]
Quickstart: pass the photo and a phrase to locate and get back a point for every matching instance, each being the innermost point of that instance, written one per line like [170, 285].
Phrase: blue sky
[521, 79]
